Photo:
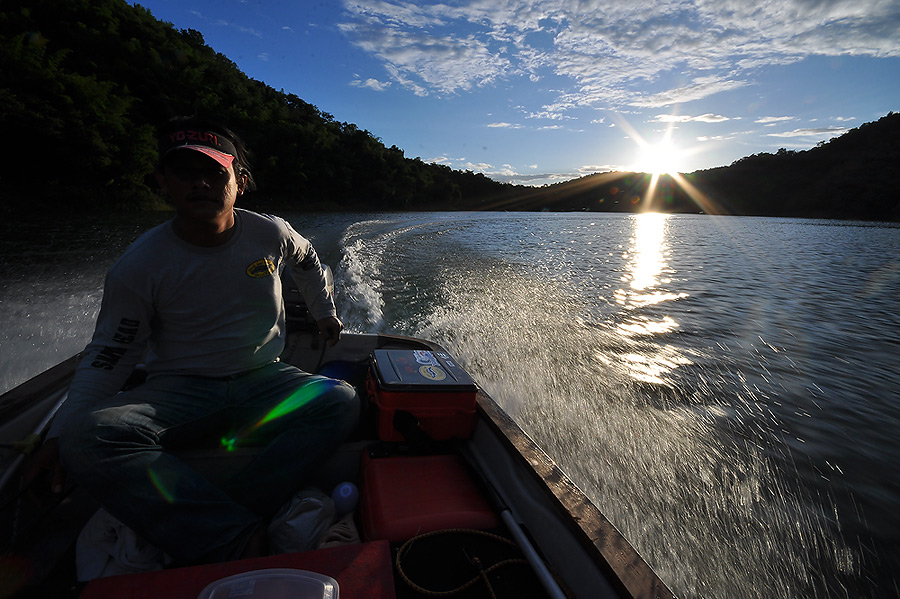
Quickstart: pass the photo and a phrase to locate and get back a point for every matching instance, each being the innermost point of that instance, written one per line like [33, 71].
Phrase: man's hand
[331, 328]
[46, 459]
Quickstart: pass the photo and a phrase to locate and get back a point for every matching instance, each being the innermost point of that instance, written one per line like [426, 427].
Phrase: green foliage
[84, 83]
[854, 176]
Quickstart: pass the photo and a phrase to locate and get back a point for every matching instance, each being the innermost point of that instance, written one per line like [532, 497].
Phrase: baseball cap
[215, 145]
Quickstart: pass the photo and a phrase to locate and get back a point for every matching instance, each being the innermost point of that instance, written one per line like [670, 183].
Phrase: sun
[661, 158]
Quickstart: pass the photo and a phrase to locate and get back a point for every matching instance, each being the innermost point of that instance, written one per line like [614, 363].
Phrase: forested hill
[854, 176]
[84, 83]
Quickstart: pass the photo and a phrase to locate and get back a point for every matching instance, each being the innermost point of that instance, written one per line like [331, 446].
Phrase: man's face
[200, 188]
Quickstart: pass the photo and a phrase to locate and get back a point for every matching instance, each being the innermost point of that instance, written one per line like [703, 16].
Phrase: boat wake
[684, 462]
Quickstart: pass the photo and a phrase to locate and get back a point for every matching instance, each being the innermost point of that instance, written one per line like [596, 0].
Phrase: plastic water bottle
[345, 496]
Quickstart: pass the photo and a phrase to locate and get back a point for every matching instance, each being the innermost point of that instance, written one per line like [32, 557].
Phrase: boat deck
[543, 537]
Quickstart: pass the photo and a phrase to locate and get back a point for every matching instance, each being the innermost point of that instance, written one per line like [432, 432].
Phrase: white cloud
[508, 173]
[703, 118]
[534, 179]
[249, 31]
[552, 113]
[372, 84]
[597, 168]
[613, 54]
[503, 125]
[811, 132]
[423, 61]
[771, 120]
[698, 89]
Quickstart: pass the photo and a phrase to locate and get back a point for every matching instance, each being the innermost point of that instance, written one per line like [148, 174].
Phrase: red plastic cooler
[428, 384]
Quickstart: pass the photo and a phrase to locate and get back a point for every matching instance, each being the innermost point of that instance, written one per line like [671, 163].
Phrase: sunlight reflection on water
[646, 266]
[648, 246]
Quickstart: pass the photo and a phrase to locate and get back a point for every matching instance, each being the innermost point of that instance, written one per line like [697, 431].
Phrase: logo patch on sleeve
[261, 268]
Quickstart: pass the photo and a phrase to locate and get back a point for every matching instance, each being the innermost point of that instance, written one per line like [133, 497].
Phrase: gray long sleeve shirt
[194, 310]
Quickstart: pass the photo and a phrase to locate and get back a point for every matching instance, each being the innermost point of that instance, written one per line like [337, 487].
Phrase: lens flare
[299, 398]
[296, 400]
[662, 162]
[160, 486]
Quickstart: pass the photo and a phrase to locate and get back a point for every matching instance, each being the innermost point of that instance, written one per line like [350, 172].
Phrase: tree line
[84, 83]
[853, 176]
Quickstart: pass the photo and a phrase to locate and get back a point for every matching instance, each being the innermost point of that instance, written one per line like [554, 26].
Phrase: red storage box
[363, 571]
[429, 385]
[402, 497]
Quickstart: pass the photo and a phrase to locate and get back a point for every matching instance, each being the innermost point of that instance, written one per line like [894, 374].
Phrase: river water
[725, 389]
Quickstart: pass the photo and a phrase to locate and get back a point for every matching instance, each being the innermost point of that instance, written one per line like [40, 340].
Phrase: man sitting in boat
[202, 292]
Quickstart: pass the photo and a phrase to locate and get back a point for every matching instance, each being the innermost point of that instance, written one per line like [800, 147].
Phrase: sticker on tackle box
[401, 368]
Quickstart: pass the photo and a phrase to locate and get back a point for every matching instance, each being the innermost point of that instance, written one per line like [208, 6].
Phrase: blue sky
[540, 91]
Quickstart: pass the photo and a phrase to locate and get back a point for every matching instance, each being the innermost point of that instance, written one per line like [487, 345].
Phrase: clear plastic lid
[273, 583]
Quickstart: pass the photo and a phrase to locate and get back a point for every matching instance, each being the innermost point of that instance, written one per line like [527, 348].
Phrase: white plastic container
[273, 583]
